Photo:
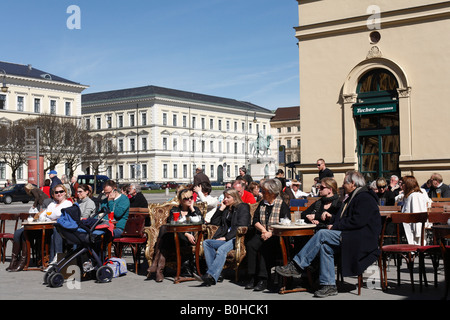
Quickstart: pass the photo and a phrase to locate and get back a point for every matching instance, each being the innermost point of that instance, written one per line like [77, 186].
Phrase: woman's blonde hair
[235, 195]
[330, 183]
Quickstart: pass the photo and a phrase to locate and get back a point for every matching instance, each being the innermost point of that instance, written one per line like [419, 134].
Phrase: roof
[288, 113]
[154, 91]
[28, 71]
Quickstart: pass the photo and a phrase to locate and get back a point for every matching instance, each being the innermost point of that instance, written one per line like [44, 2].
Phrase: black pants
[261, 255]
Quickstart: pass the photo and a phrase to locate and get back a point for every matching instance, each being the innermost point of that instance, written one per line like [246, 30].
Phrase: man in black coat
[354, 233]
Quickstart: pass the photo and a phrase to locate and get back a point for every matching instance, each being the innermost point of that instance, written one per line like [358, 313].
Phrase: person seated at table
[51, 213]
[354, 234]
[137, 199]
[239, 185]
[165, 242]
[116, 203]
[415, 200]
[262, 248]
[232, 213]
[255, 189]
[86, 204]
[41, 200]
[326, 207]
[294, 191]
[438, 187]
[203, 191]
[385, 196]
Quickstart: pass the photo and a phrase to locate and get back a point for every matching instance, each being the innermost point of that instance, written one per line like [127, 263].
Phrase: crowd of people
[347, 219]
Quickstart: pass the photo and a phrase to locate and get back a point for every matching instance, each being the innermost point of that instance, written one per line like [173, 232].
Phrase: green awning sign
[359, 110]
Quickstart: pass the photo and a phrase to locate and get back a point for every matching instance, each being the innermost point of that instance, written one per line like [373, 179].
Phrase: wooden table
[441, 233]
[292, 230]
[43, 227]
[187, 227]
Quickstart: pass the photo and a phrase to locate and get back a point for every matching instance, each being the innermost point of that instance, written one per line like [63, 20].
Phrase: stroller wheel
[49, 272]
[105, 274]
[56, 280]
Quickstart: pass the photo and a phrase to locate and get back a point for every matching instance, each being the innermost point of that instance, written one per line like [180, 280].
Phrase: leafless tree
[12, 147]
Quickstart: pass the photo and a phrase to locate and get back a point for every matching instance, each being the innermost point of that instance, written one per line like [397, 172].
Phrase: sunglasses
[61, 191]
[80, 191]
[323, 187]
[190, 198]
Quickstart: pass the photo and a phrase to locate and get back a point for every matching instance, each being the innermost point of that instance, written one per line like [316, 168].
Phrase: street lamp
[4, 86]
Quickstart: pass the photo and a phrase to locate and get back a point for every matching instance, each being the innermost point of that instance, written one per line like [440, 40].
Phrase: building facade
[374, 87]
[28, 92]
[163, 134]
[285, 126]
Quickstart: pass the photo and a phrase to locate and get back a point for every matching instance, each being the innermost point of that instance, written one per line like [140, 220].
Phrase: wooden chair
[441, 200]
[433, 250]
[445, 252]
[158, 217]
[6, 236]
[235, 256]
[133, 235]
[407, 251]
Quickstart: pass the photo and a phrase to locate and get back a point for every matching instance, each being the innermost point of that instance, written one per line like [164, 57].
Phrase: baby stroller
[85, 238]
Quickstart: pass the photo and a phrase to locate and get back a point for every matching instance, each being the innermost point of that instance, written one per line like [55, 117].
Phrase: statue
[261, 146]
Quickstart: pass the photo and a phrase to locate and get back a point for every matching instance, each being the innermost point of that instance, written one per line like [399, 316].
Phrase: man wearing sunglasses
[116, 203]
[324, 172]
[386, 197]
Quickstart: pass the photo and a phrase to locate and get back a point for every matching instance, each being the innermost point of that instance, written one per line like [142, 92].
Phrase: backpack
[119, 266]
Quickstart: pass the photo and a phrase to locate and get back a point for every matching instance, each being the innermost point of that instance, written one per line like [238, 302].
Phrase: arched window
[377, 122]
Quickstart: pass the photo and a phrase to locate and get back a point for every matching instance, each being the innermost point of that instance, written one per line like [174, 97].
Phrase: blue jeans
[325, 243]
[216, 254]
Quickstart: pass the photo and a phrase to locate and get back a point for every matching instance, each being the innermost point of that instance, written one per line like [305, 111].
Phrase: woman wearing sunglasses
[323, 210]
[232, 213]
[86, 204]
[165, 243]
[52, 212]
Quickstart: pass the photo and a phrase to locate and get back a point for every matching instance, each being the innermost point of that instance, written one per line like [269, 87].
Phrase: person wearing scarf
[263, 246]
[354, 234]
[325, 208]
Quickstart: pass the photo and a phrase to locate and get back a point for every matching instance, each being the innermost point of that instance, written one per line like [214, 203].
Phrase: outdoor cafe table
[185, 227]
[44, 227]
[291, 230]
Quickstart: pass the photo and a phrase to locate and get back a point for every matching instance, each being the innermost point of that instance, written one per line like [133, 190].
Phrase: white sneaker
[53, 263]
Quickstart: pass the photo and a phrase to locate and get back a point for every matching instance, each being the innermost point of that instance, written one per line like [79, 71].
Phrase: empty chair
[401, 250]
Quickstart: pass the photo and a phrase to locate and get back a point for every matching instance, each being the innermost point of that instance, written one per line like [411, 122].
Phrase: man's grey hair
[135, 186]
[356, 177]
[272, 185]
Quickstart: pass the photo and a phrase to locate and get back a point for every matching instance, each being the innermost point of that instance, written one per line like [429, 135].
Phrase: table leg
[197, 251]
[177, 246]
[283, 289]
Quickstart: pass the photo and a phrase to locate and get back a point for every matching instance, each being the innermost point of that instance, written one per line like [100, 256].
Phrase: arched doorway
[376, 115]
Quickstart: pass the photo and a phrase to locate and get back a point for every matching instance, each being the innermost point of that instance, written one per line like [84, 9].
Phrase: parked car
[170, 185]
[90, 180]
[152, 185]
[14, 193]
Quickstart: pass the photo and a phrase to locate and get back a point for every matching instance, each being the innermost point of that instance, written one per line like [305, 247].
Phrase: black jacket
[138, 201]
[229, 220]
[361, 227]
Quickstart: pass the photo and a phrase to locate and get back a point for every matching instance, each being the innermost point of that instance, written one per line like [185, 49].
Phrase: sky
[240, 49]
